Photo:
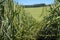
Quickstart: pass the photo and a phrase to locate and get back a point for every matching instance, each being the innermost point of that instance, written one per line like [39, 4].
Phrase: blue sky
[30, 2]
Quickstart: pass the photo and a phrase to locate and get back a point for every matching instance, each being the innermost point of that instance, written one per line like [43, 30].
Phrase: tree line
[35, 5]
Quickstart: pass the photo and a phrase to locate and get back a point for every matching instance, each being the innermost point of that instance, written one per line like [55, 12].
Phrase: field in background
[38, 12]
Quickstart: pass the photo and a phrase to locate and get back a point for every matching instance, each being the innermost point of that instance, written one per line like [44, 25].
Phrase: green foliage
[16, 24]
[58, 0]
[51, 29]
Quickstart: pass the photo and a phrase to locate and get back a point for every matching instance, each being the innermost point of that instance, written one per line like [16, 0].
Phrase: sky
[31, 2]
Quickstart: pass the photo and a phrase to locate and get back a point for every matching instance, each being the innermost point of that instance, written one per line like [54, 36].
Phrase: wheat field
[19, 23]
